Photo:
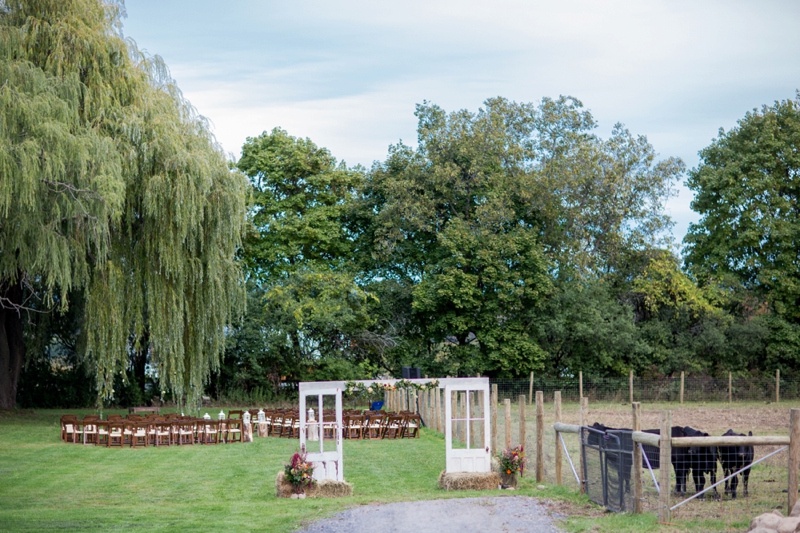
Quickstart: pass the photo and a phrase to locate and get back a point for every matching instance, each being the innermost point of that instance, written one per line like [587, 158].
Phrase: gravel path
[502, 514]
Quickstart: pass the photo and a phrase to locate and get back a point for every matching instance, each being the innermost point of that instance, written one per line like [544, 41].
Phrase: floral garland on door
[355, 389]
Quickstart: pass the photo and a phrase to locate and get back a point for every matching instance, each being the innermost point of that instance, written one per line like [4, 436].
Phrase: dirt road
[503, 514]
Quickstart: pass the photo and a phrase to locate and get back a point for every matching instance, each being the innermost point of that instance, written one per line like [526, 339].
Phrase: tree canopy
[746, 192]
[509, 239]
[111, 185]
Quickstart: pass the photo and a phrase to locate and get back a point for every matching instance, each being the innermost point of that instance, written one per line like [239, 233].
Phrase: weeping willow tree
[110, 184]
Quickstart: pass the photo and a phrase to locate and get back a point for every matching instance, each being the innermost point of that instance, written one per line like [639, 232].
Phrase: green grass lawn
[48, 485]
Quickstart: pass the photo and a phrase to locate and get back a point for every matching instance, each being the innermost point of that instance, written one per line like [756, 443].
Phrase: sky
[347, 74]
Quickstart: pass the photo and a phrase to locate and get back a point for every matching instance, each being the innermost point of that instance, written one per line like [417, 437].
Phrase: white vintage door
[325, 452]
[467, 428]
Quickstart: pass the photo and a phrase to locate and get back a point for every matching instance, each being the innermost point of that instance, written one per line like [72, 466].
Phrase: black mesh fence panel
[608, 459]
[592, 450]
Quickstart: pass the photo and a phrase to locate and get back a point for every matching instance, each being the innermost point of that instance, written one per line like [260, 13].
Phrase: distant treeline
[510, 240]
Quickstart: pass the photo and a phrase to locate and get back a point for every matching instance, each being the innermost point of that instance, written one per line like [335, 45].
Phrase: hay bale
[469, 480]
[327, 488]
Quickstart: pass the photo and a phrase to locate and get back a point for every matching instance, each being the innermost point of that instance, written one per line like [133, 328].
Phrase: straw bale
[327, 488]
[469, 480]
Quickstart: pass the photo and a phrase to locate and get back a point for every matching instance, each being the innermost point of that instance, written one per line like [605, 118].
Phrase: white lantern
[246, 417]
[262, 417]
[206, 416]
[221, 415]
[311, 413]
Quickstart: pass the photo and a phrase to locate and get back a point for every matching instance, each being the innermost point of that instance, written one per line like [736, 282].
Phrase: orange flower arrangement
[512, 460]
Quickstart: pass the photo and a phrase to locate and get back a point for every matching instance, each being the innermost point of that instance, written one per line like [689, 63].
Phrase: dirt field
[768, 480]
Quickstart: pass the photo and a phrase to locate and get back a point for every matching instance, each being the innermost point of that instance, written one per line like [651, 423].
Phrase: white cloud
[347, 74]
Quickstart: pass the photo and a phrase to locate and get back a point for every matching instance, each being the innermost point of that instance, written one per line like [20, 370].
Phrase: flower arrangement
[512, 460]
[299, 472]
[376, 389]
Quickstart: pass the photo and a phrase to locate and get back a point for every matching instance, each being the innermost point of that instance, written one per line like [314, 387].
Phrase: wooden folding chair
[185, 431]
[90, 429]
[234, 430]
[277, 424]
[411, 426]
[375, 425]
[116, 434]
[207, 431]
[68, 423]
[394, 427]
[139, 430]
[101, 438]
[355, 427]
[163, 432]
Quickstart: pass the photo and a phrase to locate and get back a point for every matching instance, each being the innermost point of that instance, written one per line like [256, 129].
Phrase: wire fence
[695, 389]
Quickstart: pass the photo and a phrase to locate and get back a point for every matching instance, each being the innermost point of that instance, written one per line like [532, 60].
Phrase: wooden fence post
[637, 460]
[426, 408]
[522, 435]
[530, 389]
[507, 404]
[778, 386]
[580, 385]
[630, 385]
[730, 388]
[584, 407]
[539, 436]
[557, 416]
[681, 387]
[494, 418]
[794, 456]
[665, 456]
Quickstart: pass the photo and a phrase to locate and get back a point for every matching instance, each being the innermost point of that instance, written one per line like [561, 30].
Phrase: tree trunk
[140, 362]
[12, 347]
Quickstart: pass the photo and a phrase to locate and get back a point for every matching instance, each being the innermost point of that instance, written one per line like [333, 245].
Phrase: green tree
[453, 221]
[585, 327]
[112, 185]
[300, 256]
[497, 212]
[747, 187]
[595, 199]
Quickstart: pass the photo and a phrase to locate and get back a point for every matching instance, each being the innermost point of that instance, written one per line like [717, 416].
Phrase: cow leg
[734, 484]
[745, 479]
[713, 479]
[726, 472]
[699, 482]
[680, 481]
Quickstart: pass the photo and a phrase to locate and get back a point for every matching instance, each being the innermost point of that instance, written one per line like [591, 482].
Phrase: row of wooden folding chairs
[149, 431]
[381, 425]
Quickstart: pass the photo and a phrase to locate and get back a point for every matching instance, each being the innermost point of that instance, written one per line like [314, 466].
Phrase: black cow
[614, 441]
[733, 459]
[679, 458]
[702, 461]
